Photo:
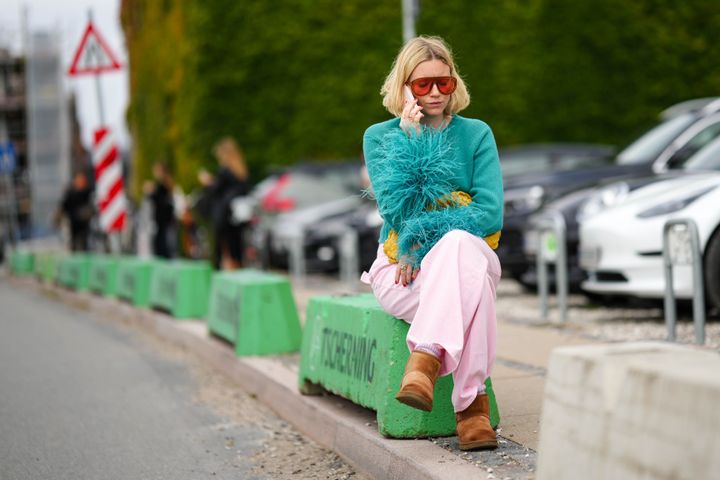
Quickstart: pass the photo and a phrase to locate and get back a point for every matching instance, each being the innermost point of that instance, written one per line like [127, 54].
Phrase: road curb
[335, 423]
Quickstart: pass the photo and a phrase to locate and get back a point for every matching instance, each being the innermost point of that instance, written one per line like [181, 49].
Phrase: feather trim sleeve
[408, 173]
[481, 217]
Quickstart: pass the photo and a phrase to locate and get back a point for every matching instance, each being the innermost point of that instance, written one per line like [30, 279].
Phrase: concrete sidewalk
[349, 430]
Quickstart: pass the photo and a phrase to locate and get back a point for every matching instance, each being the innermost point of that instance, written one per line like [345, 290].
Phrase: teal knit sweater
[408, 173]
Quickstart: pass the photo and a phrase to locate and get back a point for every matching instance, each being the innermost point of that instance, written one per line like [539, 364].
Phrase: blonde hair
[413, 53]
[231, 156]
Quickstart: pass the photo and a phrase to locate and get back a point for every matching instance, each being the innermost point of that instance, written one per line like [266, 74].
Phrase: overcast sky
[69, 18]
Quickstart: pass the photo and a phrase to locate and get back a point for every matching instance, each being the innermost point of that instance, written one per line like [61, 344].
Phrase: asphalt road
[82, 399]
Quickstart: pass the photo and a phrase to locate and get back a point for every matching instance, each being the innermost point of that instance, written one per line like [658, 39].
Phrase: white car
[621, 246]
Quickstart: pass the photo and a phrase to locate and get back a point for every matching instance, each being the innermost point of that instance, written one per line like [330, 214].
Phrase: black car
[323, 238]
[684, 129]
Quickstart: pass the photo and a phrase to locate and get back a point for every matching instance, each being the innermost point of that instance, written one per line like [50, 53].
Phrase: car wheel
[712, 270]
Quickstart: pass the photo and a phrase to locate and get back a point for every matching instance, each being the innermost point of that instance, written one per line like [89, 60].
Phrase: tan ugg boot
[418, 383]
[473, 426]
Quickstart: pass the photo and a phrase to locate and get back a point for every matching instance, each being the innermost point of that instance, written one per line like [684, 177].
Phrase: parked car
[301, 195]
[684, 129]
[323, 237]
[621, 247]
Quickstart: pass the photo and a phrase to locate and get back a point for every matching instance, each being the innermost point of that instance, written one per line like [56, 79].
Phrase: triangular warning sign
[93, 55]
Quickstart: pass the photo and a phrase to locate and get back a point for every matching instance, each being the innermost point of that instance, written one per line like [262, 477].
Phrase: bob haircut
[413, 53]
[231, 156]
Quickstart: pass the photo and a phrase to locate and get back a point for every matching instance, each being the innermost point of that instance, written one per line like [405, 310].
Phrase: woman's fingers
[406, 110]
[415, 274]
[411, 110]
[406, 275]
[398, 270]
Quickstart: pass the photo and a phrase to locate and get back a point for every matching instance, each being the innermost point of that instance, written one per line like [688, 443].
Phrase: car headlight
[673, 205]
[524, 200]
[603, 198]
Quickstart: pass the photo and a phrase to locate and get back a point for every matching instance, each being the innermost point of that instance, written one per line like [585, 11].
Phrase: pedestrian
[160, 193]
[77, 206]
[437, 182]
[230, 183]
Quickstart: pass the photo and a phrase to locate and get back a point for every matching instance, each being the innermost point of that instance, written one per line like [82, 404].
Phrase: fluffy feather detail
[421, 232]
[414, 171]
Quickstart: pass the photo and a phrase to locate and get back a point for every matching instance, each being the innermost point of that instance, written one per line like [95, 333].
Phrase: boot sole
[414, 401]
[479, 445]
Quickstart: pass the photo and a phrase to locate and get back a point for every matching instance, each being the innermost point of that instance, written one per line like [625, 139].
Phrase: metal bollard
[552, 222]
[297, 254]
[349, 250]
[670, 258]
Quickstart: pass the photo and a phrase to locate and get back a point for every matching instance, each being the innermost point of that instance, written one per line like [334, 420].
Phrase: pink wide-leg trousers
[450, 304]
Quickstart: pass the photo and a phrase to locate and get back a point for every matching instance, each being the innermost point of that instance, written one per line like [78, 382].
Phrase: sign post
[7, 168]
[94, 57]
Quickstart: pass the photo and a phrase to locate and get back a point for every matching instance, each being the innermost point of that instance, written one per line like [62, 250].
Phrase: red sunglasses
[422, 86]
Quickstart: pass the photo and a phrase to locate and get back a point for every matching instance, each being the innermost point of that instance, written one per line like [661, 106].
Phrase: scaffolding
[48, 128]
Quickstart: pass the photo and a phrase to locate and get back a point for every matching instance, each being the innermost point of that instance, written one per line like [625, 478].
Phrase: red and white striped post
[94, 57]
[109, 185]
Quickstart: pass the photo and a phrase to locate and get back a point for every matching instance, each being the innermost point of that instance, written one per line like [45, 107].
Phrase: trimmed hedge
[298, 79]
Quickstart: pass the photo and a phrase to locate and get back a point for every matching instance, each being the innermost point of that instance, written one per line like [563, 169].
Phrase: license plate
[548, 243]
[589, 258]
[680, 246]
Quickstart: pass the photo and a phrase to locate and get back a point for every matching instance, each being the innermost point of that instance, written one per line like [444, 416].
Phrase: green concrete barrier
[255, 311]
[354, 349]
[74, 271]
[46, 266]
[103, 275]
[134, 277]
[182, 288]
[22, 262]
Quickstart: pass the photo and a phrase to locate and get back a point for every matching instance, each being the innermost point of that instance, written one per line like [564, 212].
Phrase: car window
[524, 163]
[708, 158]
[577, 161]
[530, 163]
[694, 145]
[311, 189]
[652, 143]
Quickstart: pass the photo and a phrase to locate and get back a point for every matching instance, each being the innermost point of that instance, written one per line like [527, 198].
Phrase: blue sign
[8, 161]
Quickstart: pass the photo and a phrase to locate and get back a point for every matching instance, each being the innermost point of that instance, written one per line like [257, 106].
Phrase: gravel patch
[621, 320]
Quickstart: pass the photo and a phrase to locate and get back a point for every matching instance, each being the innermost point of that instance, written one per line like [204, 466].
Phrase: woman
[437, 181]
[230, 182]
[160, 195]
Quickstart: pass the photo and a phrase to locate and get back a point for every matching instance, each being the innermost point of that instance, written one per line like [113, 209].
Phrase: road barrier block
[255, 311]
[46, 266]
[134, 278]
[103, 275]
[181, 287]
[642, 410]
[22, 262]
[74, 271]
[354, 349]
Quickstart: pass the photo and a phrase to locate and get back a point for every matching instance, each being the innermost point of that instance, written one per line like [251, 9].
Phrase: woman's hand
[410, 117]
[405, 272]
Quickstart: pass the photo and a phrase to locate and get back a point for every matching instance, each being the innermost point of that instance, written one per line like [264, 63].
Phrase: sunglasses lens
[446, 85]
[421, 86]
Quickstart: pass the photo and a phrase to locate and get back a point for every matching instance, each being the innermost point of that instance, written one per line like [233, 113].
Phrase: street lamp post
[411, 9]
